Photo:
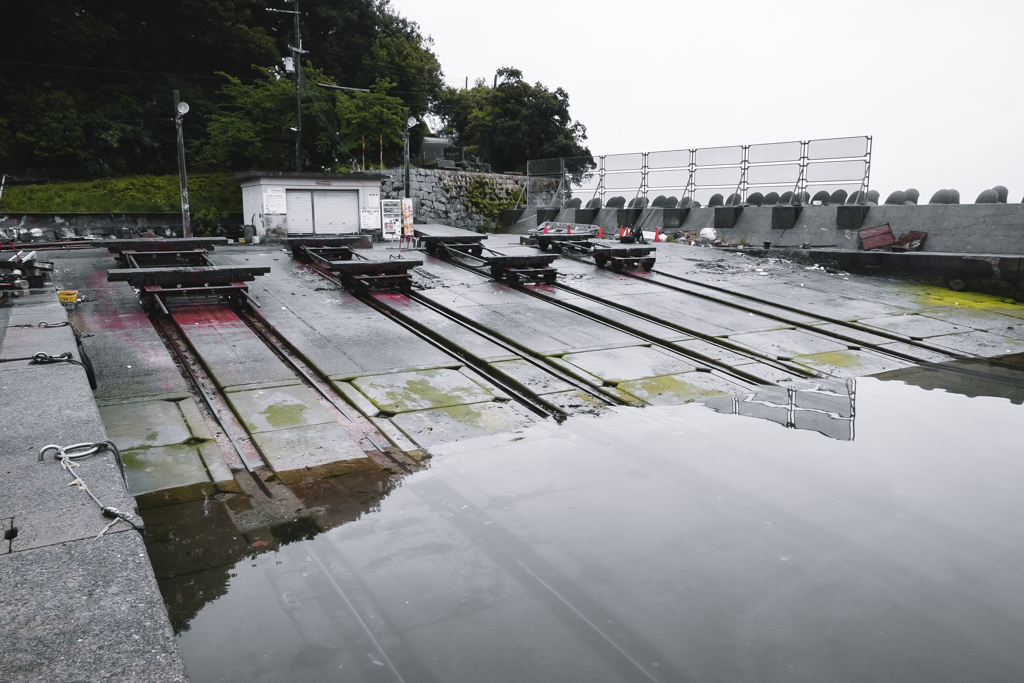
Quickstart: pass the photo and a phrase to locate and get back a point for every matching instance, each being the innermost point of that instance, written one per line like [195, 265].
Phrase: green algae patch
[453, 423]
[850, 363]
[623, 364]
[927, 295]
[675, 389]
[165, 475]
[403, 392]
[267, 410]
[284, 415]
[838, 359]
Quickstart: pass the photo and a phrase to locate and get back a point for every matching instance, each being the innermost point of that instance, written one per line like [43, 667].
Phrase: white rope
[66, 455]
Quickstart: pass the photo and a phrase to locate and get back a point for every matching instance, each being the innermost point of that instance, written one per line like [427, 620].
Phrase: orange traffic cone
[568, 229]
[656, 232]
[545, 228]
[600, 232]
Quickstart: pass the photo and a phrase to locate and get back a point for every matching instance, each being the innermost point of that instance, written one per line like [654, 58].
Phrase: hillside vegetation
[129, 194]
[87, 91]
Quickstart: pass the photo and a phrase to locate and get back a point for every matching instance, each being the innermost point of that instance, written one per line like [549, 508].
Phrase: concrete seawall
[960, 228]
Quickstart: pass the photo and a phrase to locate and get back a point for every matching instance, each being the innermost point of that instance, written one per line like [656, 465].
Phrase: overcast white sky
[940, 85]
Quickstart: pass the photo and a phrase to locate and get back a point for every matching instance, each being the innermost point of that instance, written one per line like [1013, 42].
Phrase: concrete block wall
[441, 196]
[951, 228]
[956, 228]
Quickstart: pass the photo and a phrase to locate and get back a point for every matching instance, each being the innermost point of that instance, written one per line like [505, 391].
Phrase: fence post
[744, 166]
[866, 183]
[801, 182]
[643, 176]
[561, 185]
[691, 183]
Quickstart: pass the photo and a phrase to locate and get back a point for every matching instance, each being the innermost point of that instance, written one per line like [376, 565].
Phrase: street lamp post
[180, 109]
[409, 123]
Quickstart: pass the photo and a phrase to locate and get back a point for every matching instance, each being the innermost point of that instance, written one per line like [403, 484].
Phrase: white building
[283, 203]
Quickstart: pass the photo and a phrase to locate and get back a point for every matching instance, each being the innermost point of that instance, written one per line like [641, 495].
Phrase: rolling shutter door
[299, 204]
[336, 211]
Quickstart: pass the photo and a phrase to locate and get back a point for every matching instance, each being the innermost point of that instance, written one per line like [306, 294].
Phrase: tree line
[86, 89]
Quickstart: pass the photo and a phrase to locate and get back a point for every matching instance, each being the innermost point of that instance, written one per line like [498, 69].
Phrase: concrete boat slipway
[392, 464]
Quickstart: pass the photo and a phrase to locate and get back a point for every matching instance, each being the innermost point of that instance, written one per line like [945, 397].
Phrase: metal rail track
[161, 324]
[523, 353]
[248, 318]
[523, 395]
[854, 342]
[721, 366]
[910, 341]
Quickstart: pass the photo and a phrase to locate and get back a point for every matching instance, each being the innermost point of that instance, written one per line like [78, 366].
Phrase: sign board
[370, 218]
[391, 218]
[407, 227]
[274, 200]
[453, 153]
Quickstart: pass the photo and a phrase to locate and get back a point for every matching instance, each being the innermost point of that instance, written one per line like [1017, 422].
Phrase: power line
[126, 71]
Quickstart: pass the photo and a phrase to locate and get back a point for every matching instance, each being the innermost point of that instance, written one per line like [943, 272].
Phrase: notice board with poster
[391, 218]
[407, 226]
[274, 200]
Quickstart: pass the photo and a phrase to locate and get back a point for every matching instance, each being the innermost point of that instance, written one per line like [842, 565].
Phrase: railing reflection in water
[829, 408]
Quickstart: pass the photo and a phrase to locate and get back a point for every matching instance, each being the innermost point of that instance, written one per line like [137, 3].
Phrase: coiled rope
[67, 456]
[42, 358]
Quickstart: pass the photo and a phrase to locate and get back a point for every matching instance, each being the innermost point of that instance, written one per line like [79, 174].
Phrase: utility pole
[297, 53]
[180, 109]
[409, 121]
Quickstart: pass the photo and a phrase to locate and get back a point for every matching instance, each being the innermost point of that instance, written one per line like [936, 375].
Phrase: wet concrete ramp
[295, 435]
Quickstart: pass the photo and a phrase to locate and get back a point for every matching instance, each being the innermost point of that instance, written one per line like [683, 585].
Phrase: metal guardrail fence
[804, 168]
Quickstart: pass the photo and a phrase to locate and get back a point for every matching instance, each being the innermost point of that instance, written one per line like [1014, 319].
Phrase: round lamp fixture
[411, 122]
[182, 108]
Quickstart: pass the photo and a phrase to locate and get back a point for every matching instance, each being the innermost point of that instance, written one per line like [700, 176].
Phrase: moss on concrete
[928, 296]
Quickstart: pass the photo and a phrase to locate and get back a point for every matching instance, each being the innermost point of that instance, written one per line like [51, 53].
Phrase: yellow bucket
[68, 298]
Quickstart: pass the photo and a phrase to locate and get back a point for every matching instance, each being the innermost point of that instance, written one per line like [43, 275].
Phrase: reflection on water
[664, 544]
[196, 546]
[1002, 377]
[827, 407]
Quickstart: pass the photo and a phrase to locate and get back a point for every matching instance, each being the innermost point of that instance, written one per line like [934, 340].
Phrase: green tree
[515, 122]
[253, 127]
[51, 129]
[370, 116]
[102, 72]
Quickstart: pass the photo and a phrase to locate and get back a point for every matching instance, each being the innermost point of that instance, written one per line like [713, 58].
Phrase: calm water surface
[663, 544]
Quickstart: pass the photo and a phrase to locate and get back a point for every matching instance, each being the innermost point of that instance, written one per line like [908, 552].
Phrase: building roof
[304, 175]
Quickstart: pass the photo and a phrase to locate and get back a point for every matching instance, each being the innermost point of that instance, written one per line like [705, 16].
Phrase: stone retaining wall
[462, 200]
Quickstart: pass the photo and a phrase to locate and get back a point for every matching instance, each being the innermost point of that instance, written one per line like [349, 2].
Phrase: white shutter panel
[300, 211]
[337, 211]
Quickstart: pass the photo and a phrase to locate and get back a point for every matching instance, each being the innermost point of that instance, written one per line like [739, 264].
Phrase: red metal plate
[911, 241]
[877, 237]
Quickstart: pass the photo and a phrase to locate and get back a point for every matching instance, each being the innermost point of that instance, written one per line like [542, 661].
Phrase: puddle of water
[663, 544]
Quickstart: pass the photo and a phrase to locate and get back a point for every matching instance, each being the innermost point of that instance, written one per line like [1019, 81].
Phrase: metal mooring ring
[53, 447]
[89, 450]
